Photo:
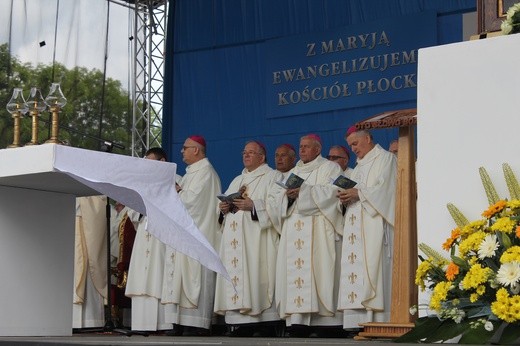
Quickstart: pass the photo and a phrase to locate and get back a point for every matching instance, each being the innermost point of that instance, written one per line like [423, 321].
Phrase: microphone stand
[105, 145]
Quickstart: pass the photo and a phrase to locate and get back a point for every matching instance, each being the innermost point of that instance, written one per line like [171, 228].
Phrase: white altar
[468, 117]
[38, 187]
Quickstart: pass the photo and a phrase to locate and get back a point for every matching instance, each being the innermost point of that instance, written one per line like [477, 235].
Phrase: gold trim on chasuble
[352, 261]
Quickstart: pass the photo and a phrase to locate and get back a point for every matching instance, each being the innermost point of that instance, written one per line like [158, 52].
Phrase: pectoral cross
[352, 218]
[299, 263]
[299, 225]
[352, 258]
[234, 262]
[352, 278]
[233, 226]
[299, 282]
[352, 238]
[234, 244]
[299, 244]
[352, 297]
[298, 301]
[235, 280]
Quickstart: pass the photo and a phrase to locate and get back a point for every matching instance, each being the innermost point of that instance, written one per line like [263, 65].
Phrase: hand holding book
[344, 182]
[292, 182]
[229, 199]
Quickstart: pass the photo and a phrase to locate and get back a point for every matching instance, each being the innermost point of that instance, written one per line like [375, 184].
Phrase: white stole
[233, 260]
[352, 262]
[299, 265]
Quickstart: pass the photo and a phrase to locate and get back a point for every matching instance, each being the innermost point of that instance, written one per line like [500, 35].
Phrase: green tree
[84, 118]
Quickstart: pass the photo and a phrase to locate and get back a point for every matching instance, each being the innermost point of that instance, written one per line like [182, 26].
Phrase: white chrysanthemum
[509, 273]
[506, 27]
[512, 10]
[488, 246]
[488, 326]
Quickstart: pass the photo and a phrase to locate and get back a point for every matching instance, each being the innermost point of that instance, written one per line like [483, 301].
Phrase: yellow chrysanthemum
[440, 291]
[452, 271]
[481, 289]
[504, 308]
[475, 276]
[494, 209]
[514, 204]
[504, 224]
[473, 227]
[472, 260]
[512, 254]
[422, 271]
[473, 297]
[471, 243]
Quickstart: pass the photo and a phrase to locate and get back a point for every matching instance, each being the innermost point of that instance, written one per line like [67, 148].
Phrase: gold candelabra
[35, 104]
[16, 106]
[55, 100]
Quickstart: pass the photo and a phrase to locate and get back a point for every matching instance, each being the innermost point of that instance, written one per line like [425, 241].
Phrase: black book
[344, 182]
[293, 182]
[229, 198]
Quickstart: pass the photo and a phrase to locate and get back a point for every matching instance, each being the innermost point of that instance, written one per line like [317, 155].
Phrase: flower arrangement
[512, 23]
[475, 288]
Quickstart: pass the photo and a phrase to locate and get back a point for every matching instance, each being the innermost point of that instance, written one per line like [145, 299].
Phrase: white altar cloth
[146, 186]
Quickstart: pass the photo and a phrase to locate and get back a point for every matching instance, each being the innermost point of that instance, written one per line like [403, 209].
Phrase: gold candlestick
[35, 104]
[55, 111]
[55, 100]
[16, 106]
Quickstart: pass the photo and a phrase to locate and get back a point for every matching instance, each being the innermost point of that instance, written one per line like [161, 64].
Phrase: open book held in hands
[344, 182]
[229, 198]
[293, 182]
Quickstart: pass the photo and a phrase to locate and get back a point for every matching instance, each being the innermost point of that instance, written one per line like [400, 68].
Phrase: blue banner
[366, 64]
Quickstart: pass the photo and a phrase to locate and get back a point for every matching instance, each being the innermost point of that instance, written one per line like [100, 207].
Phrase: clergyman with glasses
[340, 155]
[248, 249]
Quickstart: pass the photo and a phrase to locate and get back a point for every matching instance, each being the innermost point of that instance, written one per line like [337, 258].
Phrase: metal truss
[147, 92]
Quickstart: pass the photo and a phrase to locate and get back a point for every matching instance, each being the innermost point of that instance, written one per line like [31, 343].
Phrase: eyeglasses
[185, 147]
[249, 153]
[334, 157]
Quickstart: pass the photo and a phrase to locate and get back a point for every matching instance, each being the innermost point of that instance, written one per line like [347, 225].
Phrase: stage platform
[111, 339]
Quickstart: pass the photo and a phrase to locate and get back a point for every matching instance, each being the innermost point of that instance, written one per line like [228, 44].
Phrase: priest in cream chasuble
[145, 272]
[366, 262]
[309, 222]
[249, 244]
[188, 287]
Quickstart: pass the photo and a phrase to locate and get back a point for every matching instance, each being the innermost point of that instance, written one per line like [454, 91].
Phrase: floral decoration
[475, 287]
[512, 23]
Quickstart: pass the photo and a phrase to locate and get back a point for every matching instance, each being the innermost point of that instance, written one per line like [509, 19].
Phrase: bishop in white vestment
[188, 287]
[310, 223]
[249, 245]
[365, 285]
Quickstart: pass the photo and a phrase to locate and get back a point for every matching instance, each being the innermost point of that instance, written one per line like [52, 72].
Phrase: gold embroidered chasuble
[248, 249]
[306, 257]
[365, 281]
